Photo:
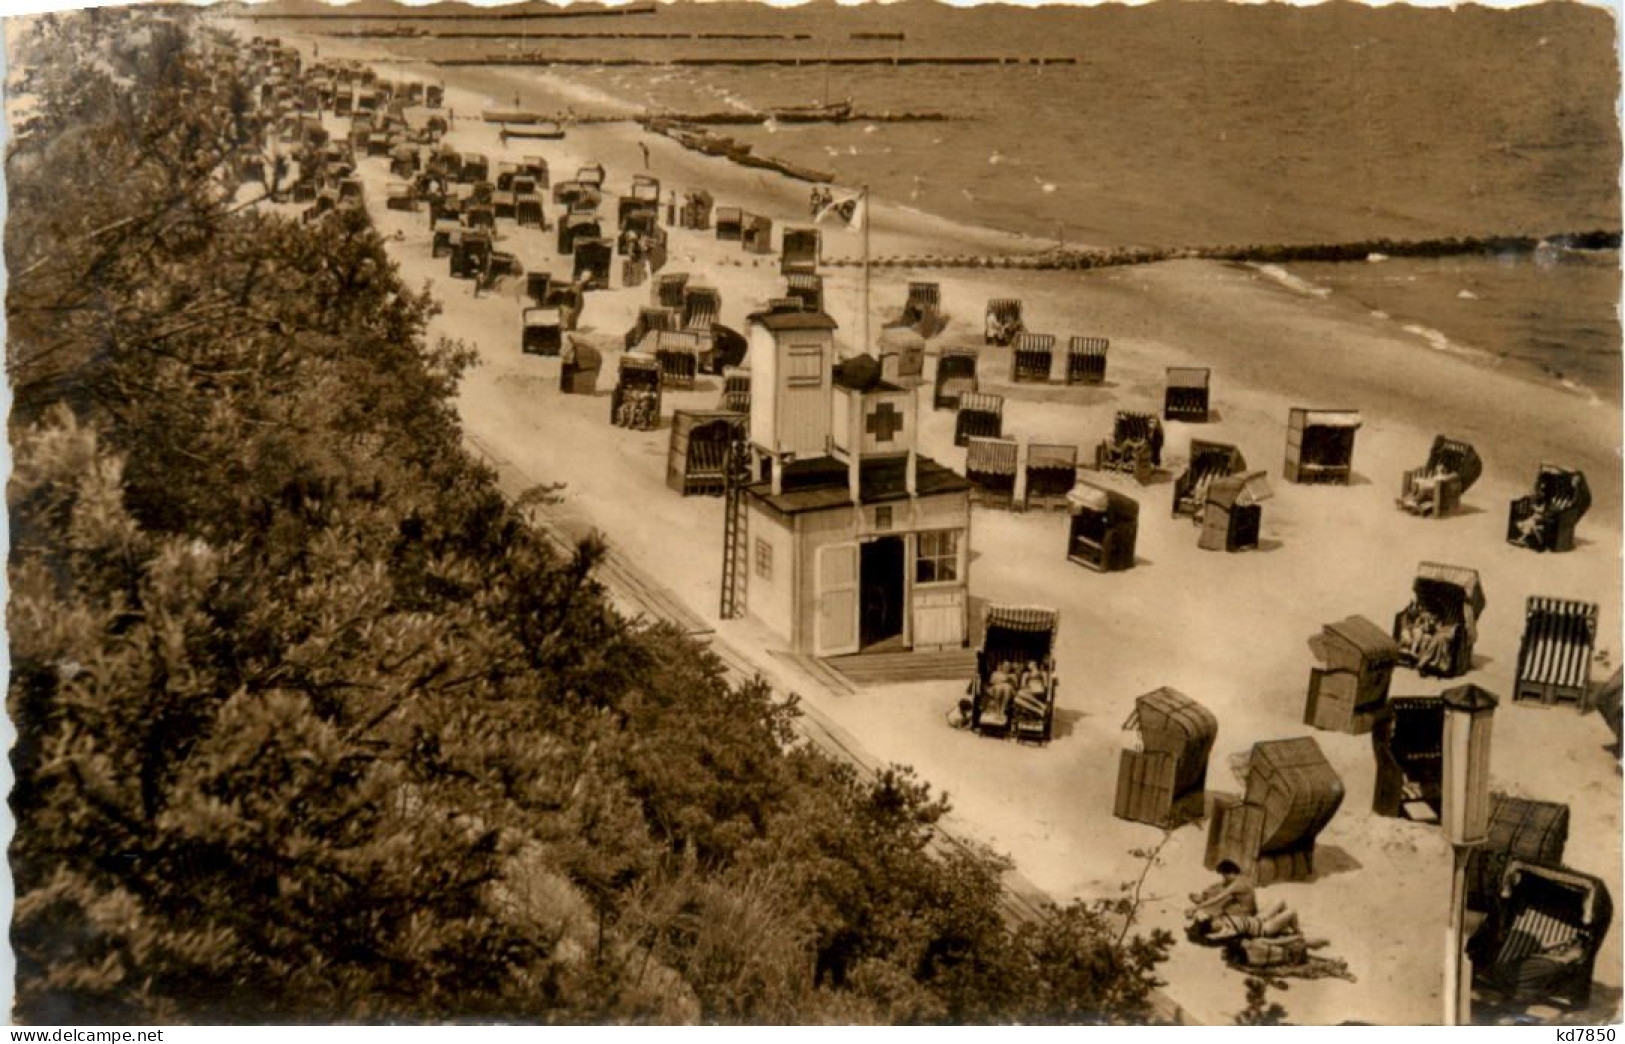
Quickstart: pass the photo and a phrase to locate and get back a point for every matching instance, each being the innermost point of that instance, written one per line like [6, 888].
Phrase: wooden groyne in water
[770, 60]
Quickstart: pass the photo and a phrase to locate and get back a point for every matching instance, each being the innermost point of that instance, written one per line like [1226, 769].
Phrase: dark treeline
[312, 727]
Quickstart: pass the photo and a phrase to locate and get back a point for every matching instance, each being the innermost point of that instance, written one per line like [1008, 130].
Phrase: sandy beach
[1230, 630]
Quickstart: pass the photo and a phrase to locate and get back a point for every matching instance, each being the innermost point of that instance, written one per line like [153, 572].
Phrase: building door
[883, 594]
[835, 624]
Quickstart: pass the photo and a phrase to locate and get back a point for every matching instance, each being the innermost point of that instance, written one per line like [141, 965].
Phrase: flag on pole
[850, 209]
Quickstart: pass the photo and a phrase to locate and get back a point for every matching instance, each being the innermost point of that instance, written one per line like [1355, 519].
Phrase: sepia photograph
[713, 513]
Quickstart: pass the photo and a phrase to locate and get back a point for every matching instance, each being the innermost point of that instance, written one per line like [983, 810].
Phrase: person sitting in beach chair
[1427, 640]
[1530, 978]
[1532, 527]
[1001, 693]
[1234, 894]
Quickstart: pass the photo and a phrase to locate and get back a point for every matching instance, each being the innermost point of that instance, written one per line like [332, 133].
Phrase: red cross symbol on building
[884, 422]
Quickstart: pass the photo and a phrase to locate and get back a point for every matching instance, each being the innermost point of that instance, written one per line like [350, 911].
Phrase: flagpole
[863, 202]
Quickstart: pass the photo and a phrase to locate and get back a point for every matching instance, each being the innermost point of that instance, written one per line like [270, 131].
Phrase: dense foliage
[313, 727]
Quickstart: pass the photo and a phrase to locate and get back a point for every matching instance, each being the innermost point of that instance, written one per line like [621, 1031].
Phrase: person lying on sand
[1275, 922]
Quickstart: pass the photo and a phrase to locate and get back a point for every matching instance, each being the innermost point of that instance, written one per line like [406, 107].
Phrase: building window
[938, 560]
[804, 366]
[764, 559]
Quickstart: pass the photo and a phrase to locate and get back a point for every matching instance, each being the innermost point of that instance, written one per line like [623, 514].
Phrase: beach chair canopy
[957, 362]
[1563, 487]
[1189, 376]
[1456, 584]
[593, 174]
[1457, 457]
[1088, 346]
[1239, 490]
[541, 317]
[640, 370]
[1018, 634]
[581, 355]
[1045, 456]
[1332, 419]
[1005, 309]
[991, 456]
[1297, 788]
[981, 402]
[1035, 342]
[1170, 722]
[1374, 645]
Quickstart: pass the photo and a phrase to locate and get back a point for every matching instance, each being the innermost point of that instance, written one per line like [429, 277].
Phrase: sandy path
[1229, 630]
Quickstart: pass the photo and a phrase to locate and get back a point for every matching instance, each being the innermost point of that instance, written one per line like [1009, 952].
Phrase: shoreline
[948, 242]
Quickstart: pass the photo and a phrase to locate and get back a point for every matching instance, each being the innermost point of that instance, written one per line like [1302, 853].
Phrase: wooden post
[1457, 1000]
[863, 205]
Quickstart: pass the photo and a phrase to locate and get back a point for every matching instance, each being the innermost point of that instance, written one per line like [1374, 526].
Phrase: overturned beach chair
[1003, 321]
[979, 415]
[1134, 447]
[1545, 519]
[1435, 489]
[1520, 828]
[1554, 657]
[956, 375]
[1291, 793]
[1104, 528]
[1232, 513]
[1163, 781]
[1051, 472]
[1348, 691]
[1031, 358]
[990, 467]
[1186, 396]
[1086, 360]
[1209, 461]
